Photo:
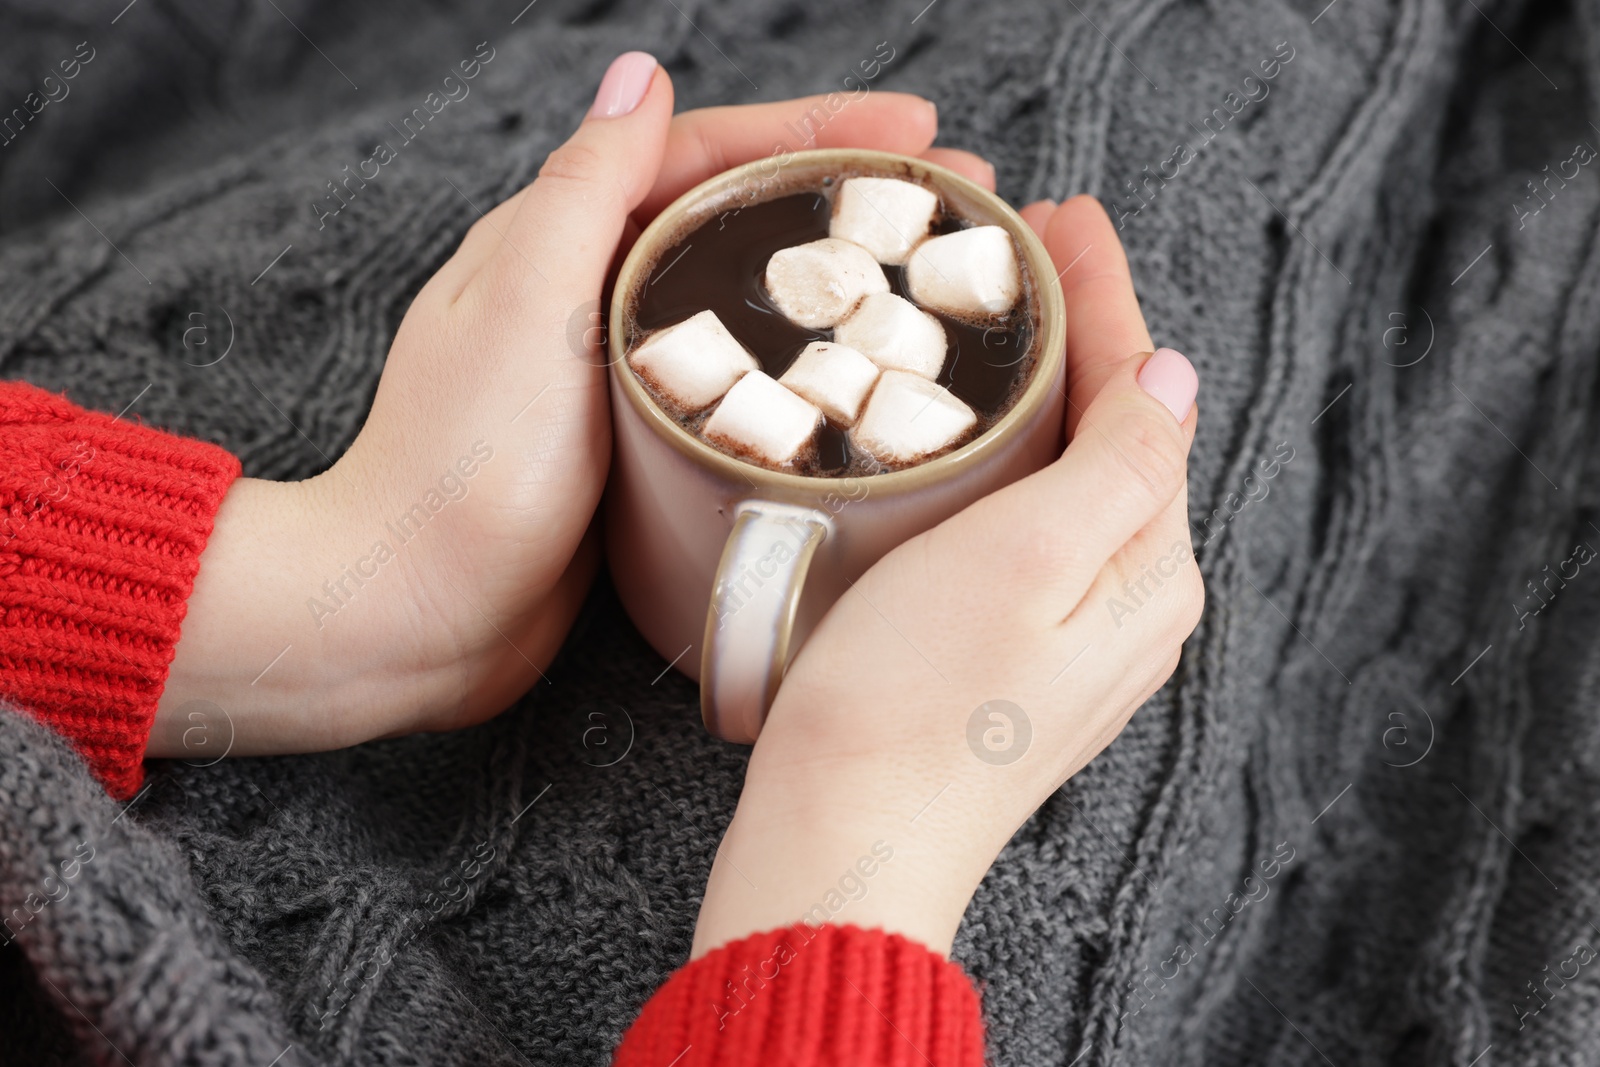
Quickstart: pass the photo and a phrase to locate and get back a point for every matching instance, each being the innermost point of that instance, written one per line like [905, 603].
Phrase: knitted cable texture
[1368, 224]
[103, 525]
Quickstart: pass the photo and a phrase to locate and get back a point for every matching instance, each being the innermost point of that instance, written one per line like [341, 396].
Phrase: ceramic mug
[726, 567]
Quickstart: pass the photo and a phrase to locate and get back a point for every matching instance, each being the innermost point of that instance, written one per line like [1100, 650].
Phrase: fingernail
[626, 82]
[1171, 379]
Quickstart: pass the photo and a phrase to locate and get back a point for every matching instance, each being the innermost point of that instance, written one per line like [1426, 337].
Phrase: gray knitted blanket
[1358, 827]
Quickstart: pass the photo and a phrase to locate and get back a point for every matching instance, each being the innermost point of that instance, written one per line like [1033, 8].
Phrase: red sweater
[102, 522]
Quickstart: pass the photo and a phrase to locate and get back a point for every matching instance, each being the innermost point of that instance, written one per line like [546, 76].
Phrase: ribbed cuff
[102, 522]
[803, 996]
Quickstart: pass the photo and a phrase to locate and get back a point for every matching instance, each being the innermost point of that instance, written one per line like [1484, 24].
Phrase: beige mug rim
[1052, 327]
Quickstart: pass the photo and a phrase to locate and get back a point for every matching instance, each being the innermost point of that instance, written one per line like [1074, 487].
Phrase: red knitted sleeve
[102, 522]
[808, 996]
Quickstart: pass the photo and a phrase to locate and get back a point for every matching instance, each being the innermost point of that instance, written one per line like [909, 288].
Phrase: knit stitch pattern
[1377, 708]
[102, 523]
[808, 996]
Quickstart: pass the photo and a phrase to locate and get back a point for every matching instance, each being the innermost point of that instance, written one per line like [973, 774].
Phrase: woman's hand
[975, 668]
[428, 578]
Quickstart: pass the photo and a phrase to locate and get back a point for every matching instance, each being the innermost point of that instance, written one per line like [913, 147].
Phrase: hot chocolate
[846, 329]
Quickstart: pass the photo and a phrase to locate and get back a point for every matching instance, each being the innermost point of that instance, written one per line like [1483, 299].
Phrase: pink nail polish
[626, 81]
[1171, 379]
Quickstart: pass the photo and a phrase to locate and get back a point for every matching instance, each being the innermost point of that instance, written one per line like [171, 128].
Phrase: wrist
[840, 849]
[257, 654]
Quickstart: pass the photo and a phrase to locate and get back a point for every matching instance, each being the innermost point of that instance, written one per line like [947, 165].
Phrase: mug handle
[750, 621]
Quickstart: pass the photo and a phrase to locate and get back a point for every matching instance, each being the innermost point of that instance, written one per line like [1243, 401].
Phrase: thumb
[1128, 461]
[1125, 468]
[559, 244]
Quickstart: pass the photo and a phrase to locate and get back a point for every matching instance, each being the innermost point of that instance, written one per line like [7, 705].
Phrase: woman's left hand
[427, 579]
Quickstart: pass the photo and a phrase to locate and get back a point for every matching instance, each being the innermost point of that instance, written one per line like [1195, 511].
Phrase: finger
[559, 240]
[1130, 459]
[1122, 679]
[705, 142]
[1104, 323]
[1156, 569]
[1037, 215]
[971, 167]
[1053, 532]
[1135, 618]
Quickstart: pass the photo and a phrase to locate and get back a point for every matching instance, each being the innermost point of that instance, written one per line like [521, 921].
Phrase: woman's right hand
[1066, 595]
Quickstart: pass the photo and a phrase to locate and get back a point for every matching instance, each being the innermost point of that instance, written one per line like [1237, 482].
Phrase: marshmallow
[886, 216]
[833, 377]
[895, 334]
[909, 417]
[968, 272]
[762, 421]
[692, 362]
[816, 284]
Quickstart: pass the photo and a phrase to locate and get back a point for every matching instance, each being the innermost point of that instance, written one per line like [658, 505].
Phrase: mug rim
[1035, 397]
